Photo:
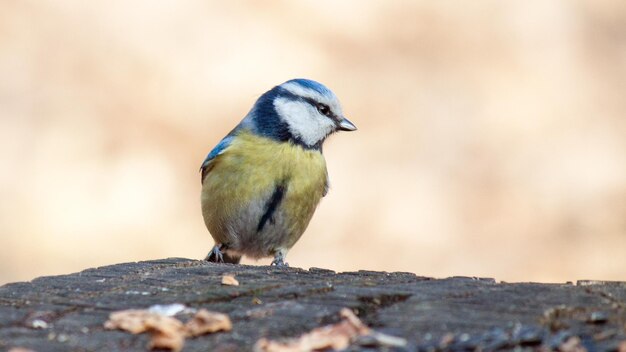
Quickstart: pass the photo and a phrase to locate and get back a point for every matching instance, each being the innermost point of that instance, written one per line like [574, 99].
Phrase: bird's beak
[346, 125]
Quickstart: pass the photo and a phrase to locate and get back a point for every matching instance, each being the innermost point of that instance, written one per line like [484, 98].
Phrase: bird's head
[301, 111]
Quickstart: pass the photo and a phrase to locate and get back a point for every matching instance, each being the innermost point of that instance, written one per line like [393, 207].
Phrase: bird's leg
[279, 258]
[215, 254]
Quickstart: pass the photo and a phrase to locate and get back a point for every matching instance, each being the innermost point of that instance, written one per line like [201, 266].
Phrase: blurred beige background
[491, 142]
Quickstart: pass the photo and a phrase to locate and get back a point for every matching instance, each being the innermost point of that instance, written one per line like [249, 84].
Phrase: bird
[263, 181]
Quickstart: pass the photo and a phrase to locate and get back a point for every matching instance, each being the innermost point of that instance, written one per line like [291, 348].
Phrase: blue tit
[262, 182]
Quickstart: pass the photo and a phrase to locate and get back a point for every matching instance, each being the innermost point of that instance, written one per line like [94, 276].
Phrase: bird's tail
[231, 259]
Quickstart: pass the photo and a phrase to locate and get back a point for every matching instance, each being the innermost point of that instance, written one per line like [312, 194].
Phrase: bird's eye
[324, 109]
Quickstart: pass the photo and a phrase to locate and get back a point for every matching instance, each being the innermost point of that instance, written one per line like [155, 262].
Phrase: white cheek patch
[304, 121]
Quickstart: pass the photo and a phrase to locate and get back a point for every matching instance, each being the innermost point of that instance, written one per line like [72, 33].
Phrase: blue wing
[219, 149]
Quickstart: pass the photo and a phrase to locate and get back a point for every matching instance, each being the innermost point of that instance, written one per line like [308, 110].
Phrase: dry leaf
[229, 280]
[167, 332]
[207, 322]
[622, 346]
[168, 341]
[337, 336]
[141, 320]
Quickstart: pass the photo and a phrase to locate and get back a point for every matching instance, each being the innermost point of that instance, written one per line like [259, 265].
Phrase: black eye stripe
[321, 107]
[324, 109]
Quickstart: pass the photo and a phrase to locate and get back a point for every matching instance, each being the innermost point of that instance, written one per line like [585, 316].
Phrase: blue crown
[310, 84]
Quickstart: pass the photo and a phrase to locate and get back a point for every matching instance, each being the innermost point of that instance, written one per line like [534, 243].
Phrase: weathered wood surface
[66, 313]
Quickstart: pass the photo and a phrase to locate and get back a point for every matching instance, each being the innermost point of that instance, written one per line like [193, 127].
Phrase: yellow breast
[243, 178]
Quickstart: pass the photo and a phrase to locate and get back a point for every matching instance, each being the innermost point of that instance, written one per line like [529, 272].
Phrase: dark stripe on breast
[271, 206]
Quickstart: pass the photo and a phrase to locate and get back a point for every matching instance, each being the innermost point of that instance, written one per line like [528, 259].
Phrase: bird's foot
[215, 255]
[279, 260]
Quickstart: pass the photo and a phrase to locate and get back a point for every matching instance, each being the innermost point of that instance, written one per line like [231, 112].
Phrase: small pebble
[598, 318]
[39, 324]
[168, 310]
[528, 335]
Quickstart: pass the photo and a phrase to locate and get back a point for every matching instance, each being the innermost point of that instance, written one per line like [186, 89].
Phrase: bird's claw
[279, 261]
[215, 255]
